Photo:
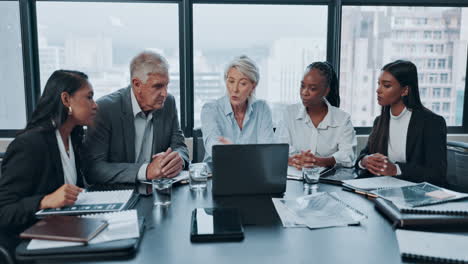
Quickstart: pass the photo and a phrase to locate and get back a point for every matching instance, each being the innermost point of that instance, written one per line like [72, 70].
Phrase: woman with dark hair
[407, 140]
[41, 168]
[318, 132]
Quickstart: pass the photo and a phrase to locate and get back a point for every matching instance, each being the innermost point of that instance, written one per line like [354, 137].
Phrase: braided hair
[326, 70]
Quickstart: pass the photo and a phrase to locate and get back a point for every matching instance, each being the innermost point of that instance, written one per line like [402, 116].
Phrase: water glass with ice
[162, 191]
[198, 176]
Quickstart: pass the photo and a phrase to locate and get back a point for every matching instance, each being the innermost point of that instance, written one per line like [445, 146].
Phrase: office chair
[5, 256]
[198, 146]
[457, 169]
[2, 154]
[461, 170]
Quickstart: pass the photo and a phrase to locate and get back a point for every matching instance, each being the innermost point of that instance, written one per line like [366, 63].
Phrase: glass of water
[311, 175]
[198, 176]
[162, 190]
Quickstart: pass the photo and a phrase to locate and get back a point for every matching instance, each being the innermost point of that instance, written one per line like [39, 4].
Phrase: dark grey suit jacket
[110, 143]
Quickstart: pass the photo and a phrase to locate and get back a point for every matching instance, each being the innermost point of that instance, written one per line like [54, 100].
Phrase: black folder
[410, 221]
[119, 249]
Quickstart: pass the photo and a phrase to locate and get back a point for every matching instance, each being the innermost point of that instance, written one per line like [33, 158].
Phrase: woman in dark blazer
[407, 141]
[38, 171]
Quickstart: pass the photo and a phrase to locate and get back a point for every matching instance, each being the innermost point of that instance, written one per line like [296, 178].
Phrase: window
[431, 63]
[436, 107]
[423, 92]
[103, 44]
[439, 48]
[399, 21]
[443, 78]
[427, 34]
[375, 46]
[436, 92]
[441, 64]
[421, 77]
[279, 38]
[447, 92]
[432, 78]
[446, 107]
[12, 101]
[429, 48]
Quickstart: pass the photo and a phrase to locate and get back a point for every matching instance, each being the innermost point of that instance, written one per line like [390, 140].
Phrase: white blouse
[68, 161]
[397, 138]
[333, 137]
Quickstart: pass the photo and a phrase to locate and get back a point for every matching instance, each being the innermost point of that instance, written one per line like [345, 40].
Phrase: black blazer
[31, 169]
[426, 149]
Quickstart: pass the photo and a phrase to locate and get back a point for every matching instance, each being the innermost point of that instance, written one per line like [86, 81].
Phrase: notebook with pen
[95, 202]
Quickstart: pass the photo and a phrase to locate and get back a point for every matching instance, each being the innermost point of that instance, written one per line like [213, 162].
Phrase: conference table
[167, 235]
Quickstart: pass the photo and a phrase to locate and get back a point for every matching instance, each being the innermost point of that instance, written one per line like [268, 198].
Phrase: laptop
[249, 169]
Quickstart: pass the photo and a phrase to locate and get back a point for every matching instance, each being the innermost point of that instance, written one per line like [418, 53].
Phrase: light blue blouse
[217, 119]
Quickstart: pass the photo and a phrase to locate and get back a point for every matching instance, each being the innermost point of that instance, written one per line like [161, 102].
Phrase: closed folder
[116, 249]
[410, 220]
[65, 228]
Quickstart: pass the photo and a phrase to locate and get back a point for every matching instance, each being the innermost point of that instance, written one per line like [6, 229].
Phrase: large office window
[12, 99]
[100, 39]
[281, 39]
[434, 38]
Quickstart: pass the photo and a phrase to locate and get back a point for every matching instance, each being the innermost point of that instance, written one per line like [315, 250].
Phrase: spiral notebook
[436, 247]
[419, 220]
[449, 208]
[95, 202]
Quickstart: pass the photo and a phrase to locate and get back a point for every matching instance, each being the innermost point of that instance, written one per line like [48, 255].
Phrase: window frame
[29, 38]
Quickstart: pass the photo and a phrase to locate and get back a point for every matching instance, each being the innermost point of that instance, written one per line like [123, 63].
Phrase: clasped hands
[379, 164]
[306, 159]
[165, 165]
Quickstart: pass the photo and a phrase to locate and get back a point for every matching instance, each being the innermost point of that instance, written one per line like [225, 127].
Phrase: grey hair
[148, 62]
[246, 66]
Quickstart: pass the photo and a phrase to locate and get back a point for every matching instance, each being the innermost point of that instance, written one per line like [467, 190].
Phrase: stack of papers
[121, 225]
[318, 210]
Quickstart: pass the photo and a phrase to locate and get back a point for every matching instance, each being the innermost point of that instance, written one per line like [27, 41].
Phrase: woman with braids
[318, 132]
[407, 140]
[41, 168]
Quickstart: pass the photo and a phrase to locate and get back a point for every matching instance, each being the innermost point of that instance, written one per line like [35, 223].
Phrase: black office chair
[2, 154]
[198, 146]
[457, 169]
[5, 256]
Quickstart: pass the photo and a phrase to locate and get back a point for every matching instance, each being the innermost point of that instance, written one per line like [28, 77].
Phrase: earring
[70, 110]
